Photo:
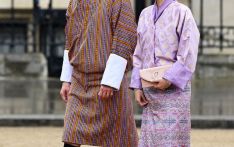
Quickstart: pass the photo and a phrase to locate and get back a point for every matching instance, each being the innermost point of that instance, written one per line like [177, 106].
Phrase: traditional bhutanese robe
[100, 38]
[166, 35]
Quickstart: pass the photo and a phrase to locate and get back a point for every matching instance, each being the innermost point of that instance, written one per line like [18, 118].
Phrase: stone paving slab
[51, 137]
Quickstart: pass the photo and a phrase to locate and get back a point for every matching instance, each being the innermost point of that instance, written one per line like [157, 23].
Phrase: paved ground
[50, 137]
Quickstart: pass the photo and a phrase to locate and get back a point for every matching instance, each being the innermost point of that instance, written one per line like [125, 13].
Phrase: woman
[167, 35]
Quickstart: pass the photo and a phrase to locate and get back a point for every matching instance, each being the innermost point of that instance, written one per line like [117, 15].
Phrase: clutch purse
[150, 75]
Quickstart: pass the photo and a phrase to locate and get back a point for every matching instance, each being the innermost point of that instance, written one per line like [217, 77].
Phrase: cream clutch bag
[154, 74]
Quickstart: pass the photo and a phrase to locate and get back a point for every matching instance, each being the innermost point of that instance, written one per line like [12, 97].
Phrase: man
[100, 38]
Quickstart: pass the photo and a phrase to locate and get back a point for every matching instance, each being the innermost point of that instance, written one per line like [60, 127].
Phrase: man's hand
[64, 91]
[140, 97]
[162, 84]
[105, 92]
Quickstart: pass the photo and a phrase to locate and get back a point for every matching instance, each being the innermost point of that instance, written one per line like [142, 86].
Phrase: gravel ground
[51, 137]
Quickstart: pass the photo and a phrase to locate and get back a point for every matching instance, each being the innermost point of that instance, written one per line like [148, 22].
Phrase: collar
[157, 11]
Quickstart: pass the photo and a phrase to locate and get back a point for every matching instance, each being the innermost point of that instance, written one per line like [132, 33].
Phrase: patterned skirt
[166, 119]
[90, 120]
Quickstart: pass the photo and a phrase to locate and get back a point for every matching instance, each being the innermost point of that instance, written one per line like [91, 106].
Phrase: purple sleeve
[137, 56]
[182, 70]
[137, 65]
[135, 79]
[178, 75]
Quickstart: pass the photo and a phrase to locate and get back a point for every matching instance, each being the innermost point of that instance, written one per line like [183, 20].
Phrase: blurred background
[31, 55]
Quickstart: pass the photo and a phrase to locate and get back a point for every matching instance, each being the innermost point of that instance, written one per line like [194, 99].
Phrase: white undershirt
[113, 74]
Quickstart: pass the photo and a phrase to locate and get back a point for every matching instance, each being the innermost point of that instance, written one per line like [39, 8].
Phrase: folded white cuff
[114, 72]
[66, 69]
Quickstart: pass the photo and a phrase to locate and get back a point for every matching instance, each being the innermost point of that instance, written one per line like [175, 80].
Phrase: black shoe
[68, 145]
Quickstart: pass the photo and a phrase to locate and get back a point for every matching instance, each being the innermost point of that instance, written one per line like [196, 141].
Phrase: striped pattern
[96, 28]
[93, 121]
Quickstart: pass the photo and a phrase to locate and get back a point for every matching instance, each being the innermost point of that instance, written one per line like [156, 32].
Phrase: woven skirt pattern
[90, 120]
[166, 119]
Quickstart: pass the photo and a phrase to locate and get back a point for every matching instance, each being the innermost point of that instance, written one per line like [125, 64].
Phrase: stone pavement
[51, 137]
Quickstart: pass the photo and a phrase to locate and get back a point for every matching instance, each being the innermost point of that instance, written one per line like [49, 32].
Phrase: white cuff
[114, 72]
[66, 69]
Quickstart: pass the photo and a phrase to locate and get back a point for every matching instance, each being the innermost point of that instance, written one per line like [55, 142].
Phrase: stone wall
[23, 65]
[23, 84]
[215, 66]
[211, 12]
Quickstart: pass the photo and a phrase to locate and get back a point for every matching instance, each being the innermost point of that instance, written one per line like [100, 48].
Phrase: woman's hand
[162, 84]
[64, 91]
[140, 97]
[106, 92]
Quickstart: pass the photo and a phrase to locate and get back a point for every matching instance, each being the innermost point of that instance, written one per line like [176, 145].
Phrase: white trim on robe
[67, 69]
[114, 72]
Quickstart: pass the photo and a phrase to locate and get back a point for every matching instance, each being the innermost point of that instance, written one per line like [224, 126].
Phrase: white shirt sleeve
[114, 72]
[66, 69]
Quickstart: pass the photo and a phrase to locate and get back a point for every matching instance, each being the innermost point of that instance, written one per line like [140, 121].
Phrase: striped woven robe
[95, 29]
